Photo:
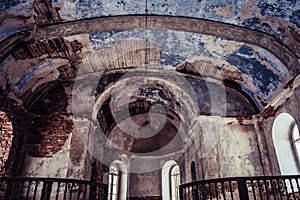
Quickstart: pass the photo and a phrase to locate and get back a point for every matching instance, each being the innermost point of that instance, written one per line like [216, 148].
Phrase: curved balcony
[50, 188]
[244, 188]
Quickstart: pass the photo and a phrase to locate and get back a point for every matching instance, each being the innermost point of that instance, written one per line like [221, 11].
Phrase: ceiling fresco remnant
[15, 6]
[56, 44]
[260, 69]
[259, 15]
[226, 11]
[15, 16]
[270, 17]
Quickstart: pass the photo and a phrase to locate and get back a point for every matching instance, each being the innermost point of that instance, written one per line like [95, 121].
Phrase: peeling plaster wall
[72, 161]
[290, 106]
[223, 148]
[55, 166]
[145, 185]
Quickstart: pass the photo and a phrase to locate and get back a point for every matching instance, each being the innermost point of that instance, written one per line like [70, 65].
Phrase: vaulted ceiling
[193, 57]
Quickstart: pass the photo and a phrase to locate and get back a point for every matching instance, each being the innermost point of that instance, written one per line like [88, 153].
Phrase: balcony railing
[244, 188]
[51, 188]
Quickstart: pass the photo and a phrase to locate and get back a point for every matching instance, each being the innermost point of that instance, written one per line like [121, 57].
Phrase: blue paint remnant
[202, 95]
[222, 101]
[295, 18]
[266, 28]
[122, 3]
[10, 29]
[48, 63]
[157, 94]
[292, 1]
[203, 9]
[250, 94]
[24, 79]
[29, 74]
[175, 45]
[56, 3]
[5, 62]
[178, 46]
[263, 78]
[6, 5]
[246, 50]
[253, 23]
[264, 55]
[273, 10]
[171, 59]
[103, 38]
[106, 79]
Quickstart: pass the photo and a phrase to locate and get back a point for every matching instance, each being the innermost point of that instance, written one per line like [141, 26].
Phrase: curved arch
[188, 24]
[281, 135]
[166, 169]
[219, 29]
[123, 173]
[190, 104]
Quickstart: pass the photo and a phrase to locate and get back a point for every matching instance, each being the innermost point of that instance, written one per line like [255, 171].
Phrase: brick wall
[51, 123]
[6, 136]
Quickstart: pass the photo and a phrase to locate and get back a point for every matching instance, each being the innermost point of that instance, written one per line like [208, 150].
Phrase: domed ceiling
[233, 53]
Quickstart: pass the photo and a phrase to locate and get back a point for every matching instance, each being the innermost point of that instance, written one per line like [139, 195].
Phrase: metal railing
[51, 188]
[244, 188]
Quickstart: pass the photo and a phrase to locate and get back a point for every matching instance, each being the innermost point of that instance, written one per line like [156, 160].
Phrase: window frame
[171, 181]
[111, 185]
[296, 151]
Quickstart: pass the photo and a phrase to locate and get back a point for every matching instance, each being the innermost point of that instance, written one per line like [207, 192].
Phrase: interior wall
[220, 147]
[223, 147]
[290, 106]
[54, 166]
[73, 160]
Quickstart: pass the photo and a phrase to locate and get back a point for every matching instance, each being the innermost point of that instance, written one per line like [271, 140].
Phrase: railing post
[47, 189]
[181, 193]
[195, 192]
[105, 195]
[243, 190]
[42, 189]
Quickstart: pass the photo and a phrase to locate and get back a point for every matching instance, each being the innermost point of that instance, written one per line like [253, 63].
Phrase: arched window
[193, 171]
[286, 141]
[113, 182]
[170, 180]
[296, 140]
[175, 182]
[117, 181]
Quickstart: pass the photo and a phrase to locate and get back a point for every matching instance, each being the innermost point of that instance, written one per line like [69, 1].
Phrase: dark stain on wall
[50, 125]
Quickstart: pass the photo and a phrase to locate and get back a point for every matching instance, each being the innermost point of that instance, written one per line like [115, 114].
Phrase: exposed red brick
[270, 111]
[51, 123]
[6, 138]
